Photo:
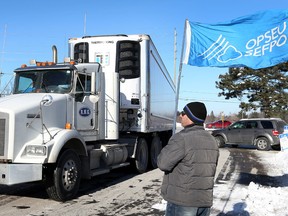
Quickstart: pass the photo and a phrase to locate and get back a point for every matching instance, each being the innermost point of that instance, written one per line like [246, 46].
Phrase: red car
[218, 124]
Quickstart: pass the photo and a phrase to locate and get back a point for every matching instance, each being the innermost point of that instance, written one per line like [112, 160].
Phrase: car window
[251, 124]
[267, 124]
[238, 125]
[280, 125]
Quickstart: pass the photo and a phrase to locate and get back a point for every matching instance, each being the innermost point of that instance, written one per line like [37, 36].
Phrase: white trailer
[110, 104]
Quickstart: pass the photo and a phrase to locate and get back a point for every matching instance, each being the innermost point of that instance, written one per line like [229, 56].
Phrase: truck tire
[141, 159]
[262, 144]
[64, 182]
[155, 149]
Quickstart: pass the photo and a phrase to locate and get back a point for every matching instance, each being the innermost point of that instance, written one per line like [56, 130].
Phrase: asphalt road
[122, 192]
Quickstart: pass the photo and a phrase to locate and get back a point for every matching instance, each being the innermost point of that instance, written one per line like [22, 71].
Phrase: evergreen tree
[212, 116]
[254, 115]
[265, 89]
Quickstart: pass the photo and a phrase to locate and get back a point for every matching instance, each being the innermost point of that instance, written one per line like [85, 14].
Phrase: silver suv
[260, 132]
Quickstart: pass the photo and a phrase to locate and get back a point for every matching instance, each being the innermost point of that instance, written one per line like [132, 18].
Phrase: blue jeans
[177, 210]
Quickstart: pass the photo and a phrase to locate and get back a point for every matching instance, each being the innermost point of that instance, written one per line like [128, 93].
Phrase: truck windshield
[46, 81]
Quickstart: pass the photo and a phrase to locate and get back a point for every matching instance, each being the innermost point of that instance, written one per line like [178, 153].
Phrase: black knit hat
[196, 112]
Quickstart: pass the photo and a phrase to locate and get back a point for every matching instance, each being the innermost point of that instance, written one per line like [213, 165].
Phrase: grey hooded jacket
[189, 161]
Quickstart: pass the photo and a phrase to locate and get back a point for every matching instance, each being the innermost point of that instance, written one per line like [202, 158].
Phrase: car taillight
[275, 132]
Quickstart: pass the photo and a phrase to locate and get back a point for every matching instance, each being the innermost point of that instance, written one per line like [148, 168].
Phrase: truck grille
[2, 136]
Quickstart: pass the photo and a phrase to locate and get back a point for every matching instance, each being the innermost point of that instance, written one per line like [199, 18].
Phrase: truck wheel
[262, 144]
[141, 159]
[155, 149]
[64, 183]
[220, 141]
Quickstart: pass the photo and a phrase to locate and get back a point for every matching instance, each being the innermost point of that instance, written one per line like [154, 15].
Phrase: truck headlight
[36, 150]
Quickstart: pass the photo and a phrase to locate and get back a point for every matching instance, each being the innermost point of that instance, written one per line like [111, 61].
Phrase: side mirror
[93, 83]
[94, 98]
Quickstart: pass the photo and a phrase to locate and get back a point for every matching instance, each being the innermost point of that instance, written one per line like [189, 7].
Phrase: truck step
[101, 171]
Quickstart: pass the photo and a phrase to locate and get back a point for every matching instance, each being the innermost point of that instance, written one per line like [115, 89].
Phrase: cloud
[229, 54]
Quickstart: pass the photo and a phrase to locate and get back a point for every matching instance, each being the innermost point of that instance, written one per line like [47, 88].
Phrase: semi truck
[110, 104]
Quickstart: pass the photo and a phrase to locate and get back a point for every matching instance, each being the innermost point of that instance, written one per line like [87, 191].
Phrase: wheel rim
[262, 144]
[69, 175]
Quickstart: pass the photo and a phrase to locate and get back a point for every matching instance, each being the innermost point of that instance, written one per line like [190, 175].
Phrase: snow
[255, 199]
[269, 200]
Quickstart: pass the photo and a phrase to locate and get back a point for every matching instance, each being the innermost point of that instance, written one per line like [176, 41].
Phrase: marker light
[68, 126]
[32, 62]
[39, 64]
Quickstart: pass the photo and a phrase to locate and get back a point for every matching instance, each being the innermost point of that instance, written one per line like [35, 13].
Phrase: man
[189, 161]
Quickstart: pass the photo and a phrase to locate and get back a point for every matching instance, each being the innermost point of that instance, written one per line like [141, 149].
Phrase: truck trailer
[110, 104]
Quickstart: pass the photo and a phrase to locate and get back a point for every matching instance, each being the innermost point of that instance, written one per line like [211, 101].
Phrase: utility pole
[84, 31]
[2, 55]
[175, 54]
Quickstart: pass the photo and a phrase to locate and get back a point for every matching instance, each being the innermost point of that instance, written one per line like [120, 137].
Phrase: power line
[3, 47]
[207, 100]
[193, 92]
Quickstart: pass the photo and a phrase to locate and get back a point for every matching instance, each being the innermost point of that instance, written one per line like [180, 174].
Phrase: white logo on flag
[221, 52]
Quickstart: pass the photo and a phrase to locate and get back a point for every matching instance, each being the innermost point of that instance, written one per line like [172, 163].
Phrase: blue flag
[255, 41]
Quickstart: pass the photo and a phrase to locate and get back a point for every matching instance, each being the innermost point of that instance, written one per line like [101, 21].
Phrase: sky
[29, 29]
[255, 199]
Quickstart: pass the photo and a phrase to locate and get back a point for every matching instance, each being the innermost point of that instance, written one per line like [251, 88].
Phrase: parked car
[261, 132]
[218, 124]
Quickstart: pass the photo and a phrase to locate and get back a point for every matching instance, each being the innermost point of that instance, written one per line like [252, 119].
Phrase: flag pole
[179, 78]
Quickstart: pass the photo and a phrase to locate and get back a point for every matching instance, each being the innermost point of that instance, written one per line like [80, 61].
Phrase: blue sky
[29, 28]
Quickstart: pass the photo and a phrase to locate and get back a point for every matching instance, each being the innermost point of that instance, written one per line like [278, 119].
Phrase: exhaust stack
[54, 51]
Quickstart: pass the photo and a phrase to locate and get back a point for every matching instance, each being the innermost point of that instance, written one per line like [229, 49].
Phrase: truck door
[85, 109]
